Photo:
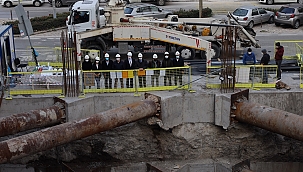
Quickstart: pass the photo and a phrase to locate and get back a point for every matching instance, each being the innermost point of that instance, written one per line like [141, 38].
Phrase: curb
[44, 31]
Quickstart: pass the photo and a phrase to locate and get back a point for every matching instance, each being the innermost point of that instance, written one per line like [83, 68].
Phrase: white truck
[144, 34]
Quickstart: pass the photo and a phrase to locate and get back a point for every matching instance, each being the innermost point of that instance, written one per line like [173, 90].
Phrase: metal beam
[32, 119]
[275, 120]
[48, 138]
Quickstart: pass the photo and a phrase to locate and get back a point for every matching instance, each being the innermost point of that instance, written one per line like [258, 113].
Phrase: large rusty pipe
[32, 119]
[275, 120]
[60, 134]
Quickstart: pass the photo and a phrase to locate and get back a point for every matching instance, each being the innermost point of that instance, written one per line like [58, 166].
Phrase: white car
[10, 3]
[270, 2]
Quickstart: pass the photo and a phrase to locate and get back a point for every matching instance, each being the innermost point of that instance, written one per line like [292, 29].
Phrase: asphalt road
[42, 43]
[218, 7]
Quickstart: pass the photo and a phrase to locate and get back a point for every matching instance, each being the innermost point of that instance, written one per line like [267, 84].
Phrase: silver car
[248, 16]
[270, 2]
[291, 14]
[145, 10]
[11, 3]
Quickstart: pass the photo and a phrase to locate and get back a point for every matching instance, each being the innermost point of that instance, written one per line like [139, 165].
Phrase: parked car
[248, 16]
[158, 2]
[291, 14]
[270, 2]
[60, 3]
[10, 3]
[145, 10]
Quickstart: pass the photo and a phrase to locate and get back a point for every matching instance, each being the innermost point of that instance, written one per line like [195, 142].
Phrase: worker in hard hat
[130, 64]
[178, 62]
[86, 66]
[107, 65]
[167, 63]
[155, 63]
[142, 65]
[97, 66]
[119, 66]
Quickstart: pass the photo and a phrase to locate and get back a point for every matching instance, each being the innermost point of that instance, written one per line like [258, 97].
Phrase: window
[145, 9]
[287, 10]
[240, 12]
[80, 17]
[254, 12]
[262, 11]
[154, 9]
[300, 10]
[101, 11]
[128, 10]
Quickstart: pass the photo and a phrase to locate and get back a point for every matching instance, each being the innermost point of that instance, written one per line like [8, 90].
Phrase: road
[43, 42]
[218, 7]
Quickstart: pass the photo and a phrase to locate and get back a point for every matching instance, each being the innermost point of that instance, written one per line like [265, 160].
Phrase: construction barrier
[292, 48]
[37, 82]
[246, 76]
[136, 80]
[50, 81]
[299, 54]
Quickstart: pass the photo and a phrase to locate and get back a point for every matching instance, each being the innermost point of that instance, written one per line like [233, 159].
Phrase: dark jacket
[127, 66]
[87, 65]
[179, 63]
[143, 64]
[167, 63]
[108, 66]
[118, 66]
[265, 59]
[94, 67]
[154, 64]
[249, 59]
[279, 53]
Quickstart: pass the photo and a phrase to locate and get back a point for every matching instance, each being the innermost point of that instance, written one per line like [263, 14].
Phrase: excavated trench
[189, 146]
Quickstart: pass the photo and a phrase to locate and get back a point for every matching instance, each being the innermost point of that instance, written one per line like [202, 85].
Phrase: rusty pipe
[60, 134]
[32, 119]
[275, 120]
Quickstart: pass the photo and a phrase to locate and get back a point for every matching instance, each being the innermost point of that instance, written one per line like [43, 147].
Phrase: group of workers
[250, 59]
[131, 64]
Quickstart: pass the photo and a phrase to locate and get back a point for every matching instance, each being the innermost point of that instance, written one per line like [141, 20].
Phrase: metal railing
[247, 76]
[136, 80]
[292, 48]
[51, 81]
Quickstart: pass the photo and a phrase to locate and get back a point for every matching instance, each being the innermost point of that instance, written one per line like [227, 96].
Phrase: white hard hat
[177, 53]
[106, 55]
[97, 58]
[155, 56]
[86, 57]
[140, 55]
[118, 56]
[129, 54]
[166, 53]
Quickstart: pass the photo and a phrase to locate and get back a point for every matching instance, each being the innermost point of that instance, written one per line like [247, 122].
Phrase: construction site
[55, 118]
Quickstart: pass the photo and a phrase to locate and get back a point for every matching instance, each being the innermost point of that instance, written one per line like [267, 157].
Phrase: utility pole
[200, 8]
[54, 9]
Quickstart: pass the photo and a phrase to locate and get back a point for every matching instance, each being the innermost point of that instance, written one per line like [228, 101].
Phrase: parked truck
[147, 34]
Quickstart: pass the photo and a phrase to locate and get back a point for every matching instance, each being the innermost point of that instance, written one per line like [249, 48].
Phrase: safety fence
[136, 80]
[37, 82]
[299, 53]
[292, 48]
[246, 76]
[50, 81]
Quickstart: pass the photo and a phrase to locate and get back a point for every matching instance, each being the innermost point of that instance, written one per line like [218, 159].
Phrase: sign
[24, 23]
